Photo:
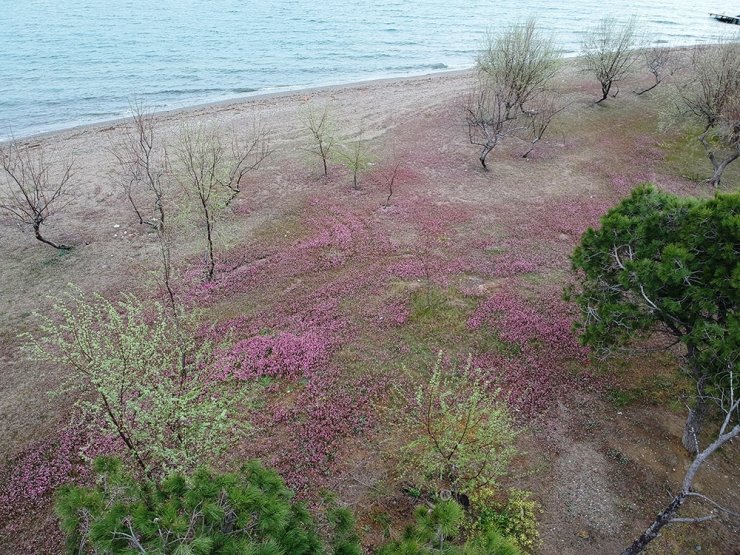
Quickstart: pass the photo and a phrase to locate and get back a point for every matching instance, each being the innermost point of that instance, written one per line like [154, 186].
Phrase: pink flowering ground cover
[351, 276]
[283, 355]
[29, 482]
[534, 372]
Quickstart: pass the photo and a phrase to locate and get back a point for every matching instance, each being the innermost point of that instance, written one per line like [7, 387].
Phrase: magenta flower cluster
[282, 355]
[519, 323]
[45, 465]
[545, 344]
[330, 410]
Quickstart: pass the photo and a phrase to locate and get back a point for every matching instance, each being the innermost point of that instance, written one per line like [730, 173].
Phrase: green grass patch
[621, 398]
[667, 390]
[547, 278]
[437, 322]
[686, 157]
[288, 227]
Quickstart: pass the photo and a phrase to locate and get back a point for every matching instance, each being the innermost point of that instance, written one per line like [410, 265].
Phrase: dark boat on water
[726, 18]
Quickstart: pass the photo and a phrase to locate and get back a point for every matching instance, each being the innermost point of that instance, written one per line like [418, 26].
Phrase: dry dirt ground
[601, 458]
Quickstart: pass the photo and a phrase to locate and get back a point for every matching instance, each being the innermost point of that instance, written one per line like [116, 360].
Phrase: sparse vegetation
[710, 98]
[322, 136]
[356, 157]
[463, 437]
[319, 327]
[141, 378]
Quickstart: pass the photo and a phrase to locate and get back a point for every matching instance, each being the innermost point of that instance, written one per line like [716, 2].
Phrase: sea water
[70, 62]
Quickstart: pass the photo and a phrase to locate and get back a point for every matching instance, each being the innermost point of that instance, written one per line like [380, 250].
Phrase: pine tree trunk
[663, 518]
[694, 420]
[692, 429]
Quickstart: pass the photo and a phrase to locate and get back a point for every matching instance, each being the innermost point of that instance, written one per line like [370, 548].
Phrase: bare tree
[490, 120]
[142, 166]
[729, 429]
[202, 158]
[323, 136]
[33, 189]
[661, 62]
[522, 61]
[390, 174]
[540, 117]
[356, 157]
[211, 168]
[608, 50]
[514, 69]
[711, 98]
[246, 155]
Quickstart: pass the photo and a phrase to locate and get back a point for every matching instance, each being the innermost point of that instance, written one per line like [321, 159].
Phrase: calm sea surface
[68, 62]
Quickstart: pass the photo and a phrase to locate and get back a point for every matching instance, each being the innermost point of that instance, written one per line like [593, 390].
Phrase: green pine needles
[438, 530]
[250, 512]
[662, 264]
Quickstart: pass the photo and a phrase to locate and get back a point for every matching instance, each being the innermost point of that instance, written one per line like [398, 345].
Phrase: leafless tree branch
[33, 189]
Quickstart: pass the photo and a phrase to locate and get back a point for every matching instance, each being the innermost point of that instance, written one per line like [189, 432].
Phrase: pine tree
[246, 512]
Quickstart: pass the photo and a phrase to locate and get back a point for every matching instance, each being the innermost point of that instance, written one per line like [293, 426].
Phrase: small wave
[243, 90]
[417, 67]
[184, 91]
[101, 114]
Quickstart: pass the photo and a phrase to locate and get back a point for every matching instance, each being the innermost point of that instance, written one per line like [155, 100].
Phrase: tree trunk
[663, 518]
[650, 88]
[37, 233]
[718, 165]
[668, 515]
[483, 154]
[531, 147]
[133, 205]
[692, 429]
[160, 210]
[125, 437]
[719, 168]
[605, 88]
[211, 260]
[209, 238]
